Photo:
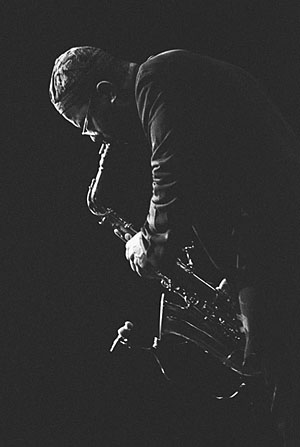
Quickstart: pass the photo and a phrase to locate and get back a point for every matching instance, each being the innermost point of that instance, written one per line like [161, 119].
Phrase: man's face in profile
[106, 116]
[86, 118]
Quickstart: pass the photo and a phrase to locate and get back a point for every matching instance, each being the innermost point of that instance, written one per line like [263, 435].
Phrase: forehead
[76, 114]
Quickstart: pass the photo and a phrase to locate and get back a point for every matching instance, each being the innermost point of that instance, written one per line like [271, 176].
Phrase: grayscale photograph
[151, 269]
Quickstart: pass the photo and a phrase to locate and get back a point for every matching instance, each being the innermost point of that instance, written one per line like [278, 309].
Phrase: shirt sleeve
[166, 222]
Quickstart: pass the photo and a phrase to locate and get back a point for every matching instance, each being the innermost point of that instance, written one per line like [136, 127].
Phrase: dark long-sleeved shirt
[219, 148]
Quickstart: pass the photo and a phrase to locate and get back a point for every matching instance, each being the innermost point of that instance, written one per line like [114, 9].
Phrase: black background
[66, 285]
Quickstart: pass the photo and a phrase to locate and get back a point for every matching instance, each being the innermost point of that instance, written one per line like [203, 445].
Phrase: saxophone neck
[94, 191]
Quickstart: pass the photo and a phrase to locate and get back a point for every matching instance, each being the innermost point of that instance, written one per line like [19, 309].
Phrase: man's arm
[164, 229]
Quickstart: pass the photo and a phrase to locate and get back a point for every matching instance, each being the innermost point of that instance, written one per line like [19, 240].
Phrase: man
[225, 165]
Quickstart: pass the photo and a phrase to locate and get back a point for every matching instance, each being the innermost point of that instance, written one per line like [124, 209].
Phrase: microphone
[123, 333]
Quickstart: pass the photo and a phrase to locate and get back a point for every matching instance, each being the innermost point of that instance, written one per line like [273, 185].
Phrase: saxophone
[208, 316]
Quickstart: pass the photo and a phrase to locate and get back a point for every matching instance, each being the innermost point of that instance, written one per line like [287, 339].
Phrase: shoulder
[166, 62]
[174, 68]
[156, 66]
[184, 58]
[164, 72]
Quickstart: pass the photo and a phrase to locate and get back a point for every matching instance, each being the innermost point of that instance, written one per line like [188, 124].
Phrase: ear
[106, 88]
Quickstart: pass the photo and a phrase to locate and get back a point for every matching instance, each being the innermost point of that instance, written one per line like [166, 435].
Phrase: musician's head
[95, 92]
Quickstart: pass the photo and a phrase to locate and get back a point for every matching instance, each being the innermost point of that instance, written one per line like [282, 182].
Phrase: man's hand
[135, 254]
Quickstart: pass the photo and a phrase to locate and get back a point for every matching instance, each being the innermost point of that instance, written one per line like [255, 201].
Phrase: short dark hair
[76, 72]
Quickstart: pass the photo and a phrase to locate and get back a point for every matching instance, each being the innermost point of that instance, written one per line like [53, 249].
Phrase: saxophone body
[199, 312]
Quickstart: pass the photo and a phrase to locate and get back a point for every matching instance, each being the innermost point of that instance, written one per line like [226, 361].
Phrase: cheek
[96, 122]
[100, 114]
[105, 119]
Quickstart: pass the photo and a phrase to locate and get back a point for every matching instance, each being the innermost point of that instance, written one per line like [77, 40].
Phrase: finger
[132, 266]
[138, 270]
[135, 267]
[128, 252]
